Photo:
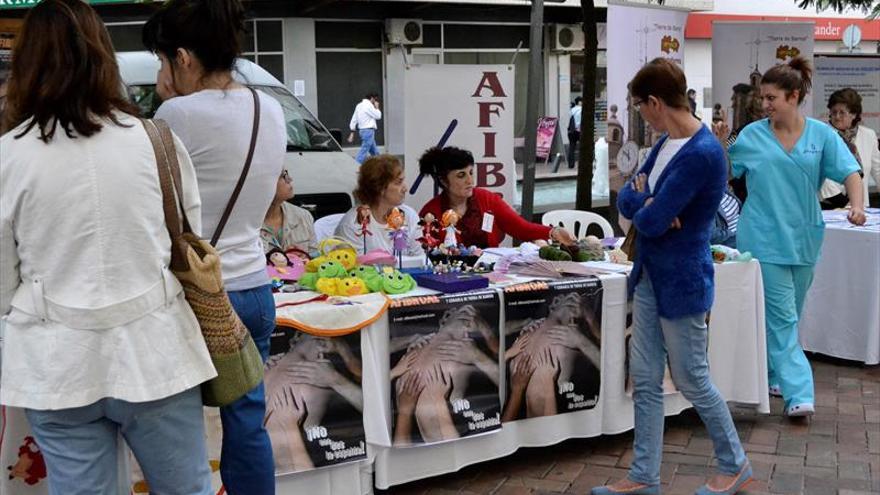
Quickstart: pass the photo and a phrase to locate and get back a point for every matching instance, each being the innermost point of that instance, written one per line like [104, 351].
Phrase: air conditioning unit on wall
[567, 38]
[403, 31]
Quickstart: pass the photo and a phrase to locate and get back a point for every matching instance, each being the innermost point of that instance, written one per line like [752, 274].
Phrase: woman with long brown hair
[99, 338]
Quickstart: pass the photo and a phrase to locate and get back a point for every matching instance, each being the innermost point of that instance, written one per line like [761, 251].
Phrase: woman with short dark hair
[197, 42]
[485, 218]
[845, 114]
[381, 187]
[99, 340]
[672, 202]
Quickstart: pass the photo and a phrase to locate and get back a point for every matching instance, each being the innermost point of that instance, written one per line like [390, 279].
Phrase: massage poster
[314, 400]
[552, 347]
[444, 367]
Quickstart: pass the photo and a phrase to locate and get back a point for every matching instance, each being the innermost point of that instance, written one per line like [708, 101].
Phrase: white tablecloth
[738, 364]
[737, 356]
[841, 316]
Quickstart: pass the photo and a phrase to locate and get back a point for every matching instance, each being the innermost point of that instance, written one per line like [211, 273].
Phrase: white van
[323, 175]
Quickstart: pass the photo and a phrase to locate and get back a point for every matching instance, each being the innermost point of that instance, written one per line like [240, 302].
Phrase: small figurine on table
[363, 219]
[450, 218]
[430, 232]
[399, 236]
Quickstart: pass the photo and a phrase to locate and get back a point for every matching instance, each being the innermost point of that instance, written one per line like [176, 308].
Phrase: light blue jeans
[683, 341]
[167, 437]
[368, 145]
[785, 288]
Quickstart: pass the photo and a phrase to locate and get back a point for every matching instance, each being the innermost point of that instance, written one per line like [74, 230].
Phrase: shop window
[358, 35]
[342, 90]
[126, 37]
[484, 36]
[600, 117]
[264, 45]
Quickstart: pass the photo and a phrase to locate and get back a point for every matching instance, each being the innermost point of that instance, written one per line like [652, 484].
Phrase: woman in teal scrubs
[785, 159]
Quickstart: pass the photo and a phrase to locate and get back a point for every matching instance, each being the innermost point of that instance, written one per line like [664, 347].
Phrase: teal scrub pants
[785, 287]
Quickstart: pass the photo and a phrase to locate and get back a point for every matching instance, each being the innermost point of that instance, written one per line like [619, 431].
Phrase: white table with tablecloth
[737, 356]
[841, 315]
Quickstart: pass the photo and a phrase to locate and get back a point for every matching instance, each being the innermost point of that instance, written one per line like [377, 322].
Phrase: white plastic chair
[577, 222]
[326, 226]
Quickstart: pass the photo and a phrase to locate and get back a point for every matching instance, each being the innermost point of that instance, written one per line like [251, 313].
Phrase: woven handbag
[196, 264]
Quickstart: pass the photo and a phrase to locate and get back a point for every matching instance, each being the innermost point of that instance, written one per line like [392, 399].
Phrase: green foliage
[869, 7]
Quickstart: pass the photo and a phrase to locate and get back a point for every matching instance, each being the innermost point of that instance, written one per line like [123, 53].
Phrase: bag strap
[244, 172]
[166, 163]
[174, 166]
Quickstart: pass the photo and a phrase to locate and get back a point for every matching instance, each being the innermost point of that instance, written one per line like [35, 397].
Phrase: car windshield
[304, 132]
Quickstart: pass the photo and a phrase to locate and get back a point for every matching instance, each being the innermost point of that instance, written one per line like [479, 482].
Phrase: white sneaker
[799, 410]
[775, 390]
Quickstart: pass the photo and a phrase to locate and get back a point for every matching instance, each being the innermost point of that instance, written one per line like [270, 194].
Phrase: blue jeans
[785, 288]
[167, 437]
[246, 463]
[368, 145]
[683, 341]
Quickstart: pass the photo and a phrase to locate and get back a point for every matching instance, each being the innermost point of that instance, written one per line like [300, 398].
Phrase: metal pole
[533, 102]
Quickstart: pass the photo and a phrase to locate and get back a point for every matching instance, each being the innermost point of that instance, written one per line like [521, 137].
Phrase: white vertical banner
[476, 102]
[636, 35]
[743, 51]
[859, 72]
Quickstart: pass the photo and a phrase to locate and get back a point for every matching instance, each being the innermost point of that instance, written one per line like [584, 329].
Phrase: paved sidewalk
[835, 452]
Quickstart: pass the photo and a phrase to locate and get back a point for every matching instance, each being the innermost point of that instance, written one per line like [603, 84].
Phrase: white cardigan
[866, 143]
[91, 311]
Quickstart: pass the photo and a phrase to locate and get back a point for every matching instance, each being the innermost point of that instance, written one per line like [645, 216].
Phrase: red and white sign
[699, 25]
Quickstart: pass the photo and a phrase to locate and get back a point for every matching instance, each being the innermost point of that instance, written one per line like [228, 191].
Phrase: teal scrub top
[781, 221]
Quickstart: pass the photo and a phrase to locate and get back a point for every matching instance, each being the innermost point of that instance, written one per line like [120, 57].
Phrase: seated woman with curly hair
[477, 208]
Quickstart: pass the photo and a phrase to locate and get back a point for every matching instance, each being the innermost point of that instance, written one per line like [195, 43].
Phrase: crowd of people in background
[100, 342]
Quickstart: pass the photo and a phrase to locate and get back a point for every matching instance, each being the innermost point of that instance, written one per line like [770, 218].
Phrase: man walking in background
[574, 130]
[366, 113]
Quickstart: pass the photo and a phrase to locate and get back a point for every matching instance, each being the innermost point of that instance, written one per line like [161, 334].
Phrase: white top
[664, 156]
[349, 229]
[91, 310]
[365, 116]
[215, 125]
[869, 154]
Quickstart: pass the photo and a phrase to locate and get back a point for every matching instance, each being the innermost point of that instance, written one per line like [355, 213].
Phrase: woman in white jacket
[845, 113]
[99, 340]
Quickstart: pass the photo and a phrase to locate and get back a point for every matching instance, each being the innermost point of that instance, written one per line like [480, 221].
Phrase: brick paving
[835, 452]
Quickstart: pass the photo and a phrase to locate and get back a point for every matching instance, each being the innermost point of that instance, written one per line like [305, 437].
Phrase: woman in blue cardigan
[672, 202]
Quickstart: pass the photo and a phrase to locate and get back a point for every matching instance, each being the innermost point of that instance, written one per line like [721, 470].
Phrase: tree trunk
[584, 196]
[533, 106]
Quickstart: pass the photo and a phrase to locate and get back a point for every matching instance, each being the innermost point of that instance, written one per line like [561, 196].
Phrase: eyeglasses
[840, 113]
[285, 176]
[637, 104]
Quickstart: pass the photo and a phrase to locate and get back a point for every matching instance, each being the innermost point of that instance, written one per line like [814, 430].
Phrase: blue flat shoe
[739, 483]
[638, 490]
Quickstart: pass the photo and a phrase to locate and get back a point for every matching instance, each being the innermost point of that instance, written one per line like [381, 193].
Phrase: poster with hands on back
[553, 347]
[444, 367]
[314, 400]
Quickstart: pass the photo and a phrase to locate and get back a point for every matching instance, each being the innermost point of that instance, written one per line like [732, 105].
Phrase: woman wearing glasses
[672, 203]
[845, 112]
[286, 225]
